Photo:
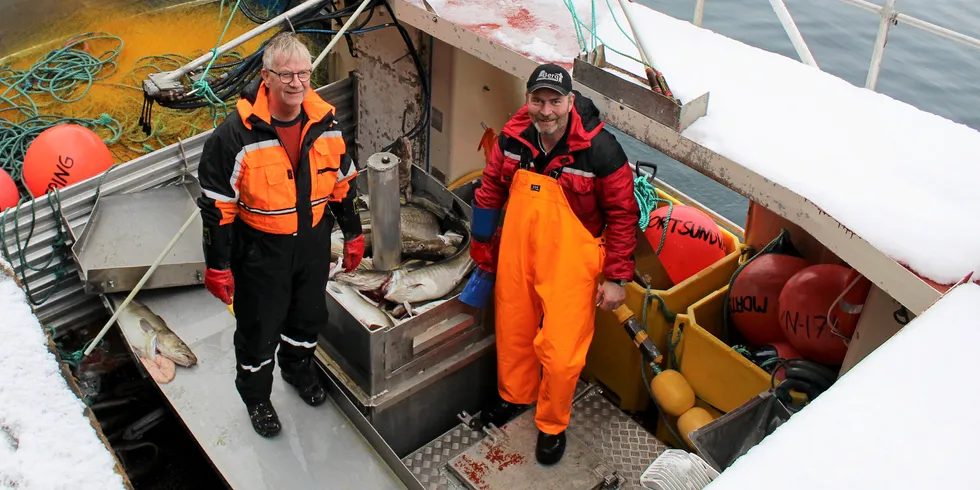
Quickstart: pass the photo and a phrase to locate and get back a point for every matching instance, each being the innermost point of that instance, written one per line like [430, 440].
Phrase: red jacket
[597, 180]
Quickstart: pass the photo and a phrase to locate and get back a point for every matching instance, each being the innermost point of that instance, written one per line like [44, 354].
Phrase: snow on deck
[46, 440]
[903, 179]
[903, 418]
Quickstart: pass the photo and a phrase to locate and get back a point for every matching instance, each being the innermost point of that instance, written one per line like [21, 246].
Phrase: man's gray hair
[284, 47]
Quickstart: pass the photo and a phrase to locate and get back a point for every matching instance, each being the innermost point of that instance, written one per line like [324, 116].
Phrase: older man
[268, 173]
[571, 215]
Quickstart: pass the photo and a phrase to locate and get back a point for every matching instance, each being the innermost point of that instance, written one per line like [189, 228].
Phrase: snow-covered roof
[46, 439]
[901, 178]
[899, 419]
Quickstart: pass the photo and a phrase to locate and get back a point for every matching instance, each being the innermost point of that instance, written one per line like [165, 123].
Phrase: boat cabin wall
[465, 93]
[390, 95]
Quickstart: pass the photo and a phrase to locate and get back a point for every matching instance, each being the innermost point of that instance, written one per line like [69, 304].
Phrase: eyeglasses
[287, 77]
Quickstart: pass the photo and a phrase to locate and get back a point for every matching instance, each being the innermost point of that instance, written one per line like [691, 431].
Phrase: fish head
[181, 356]
[409, 287]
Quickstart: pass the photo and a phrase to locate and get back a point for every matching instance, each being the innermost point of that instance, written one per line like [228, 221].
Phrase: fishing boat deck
[321, 444]
[324, 445]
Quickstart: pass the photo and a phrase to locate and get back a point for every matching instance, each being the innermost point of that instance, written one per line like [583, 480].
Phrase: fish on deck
[157, 347]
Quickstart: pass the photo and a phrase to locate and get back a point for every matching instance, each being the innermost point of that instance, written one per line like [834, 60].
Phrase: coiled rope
[648, 200]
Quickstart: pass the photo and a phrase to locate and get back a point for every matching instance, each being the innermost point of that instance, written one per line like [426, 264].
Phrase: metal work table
[316, 445]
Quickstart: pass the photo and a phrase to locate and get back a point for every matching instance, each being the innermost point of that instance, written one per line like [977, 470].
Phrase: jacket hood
[583, 125]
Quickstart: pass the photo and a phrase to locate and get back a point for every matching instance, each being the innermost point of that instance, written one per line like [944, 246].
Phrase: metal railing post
[793, 32]
[699, 12]
[888, 17]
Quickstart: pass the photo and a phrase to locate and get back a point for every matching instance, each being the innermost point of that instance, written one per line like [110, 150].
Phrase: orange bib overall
[548, 266]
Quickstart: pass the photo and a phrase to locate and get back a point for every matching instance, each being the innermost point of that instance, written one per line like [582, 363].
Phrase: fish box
[394, 372]
[377, 357]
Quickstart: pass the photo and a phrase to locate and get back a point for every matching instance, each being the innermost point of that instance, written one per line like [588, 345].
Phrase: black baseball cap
[551, 76]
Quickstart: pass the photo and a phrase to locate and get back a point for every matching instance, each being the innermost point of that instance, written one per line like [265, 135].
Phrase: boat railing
[889, 17]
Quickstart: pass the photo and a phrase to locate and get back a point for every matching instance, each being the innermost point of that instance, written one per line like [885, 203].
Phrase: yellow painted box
[613, 360]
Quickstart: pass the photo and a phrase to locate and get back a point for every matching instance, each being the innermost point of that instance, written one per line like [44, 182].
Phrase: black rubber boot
[265, 421]
[303, 377]
[550, 448]
[500, 412]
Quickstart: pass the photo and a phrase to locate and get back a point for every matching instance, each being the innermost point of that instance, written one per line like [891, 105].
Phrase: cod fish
[416, 223]
[429, 282]
[151, 336]
[403, 150]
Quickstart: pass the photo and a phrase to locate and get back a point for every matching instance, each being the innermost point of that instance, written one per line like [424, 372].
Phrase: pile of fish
[421, 237]
[434, 262]
[157, 347]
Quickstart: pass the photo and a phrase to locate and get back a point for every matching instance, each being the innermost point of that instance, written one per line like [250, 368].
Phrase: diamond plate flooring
[612, 434]
[620, 440]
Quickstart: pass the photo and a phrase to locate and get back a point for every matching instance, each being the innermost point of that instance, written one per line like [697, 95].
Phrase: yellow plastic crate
[722, 379]
[613, 359]
[718, 374]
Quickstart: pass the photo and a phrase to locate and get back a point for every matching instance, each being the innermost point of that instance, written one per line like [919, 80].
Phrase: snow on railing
[889, 17]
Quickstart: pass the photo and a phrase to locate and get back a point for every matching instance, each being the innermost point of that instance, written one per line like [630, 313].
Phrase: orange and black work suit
[265, 216]
[570, 216]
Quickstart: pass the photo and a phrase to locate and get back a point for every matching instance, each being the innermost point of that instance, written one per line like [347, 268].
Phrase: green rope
[613, 14]
[202, 85]
[579, 26]
[646, 197]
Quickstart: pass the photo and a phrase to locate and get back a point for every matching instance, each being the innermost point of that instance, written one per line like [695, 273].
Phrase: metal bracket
[493, 433]
[473, 422]
[158, 83]
[610, 477]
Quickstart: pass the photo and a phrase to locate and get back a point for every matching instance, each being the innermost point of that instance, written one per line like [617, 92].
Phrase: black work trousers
[280, 301]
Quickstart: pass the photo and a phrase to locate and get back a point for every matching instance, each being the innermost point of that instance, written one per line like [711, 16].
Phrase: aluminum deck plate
[316, 445]
[619, 440]
[509, 462]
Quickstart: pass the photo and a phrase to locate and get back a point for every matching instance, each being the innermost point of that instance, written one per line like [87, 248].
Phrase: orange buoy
[753, 301]
[845, 316]
[9, 195]
[63, 155]
[803, 306]
[693, 242]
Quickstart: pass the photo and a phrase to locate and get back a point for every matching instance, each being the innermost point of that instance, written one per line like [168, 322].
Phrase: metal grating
[69, 305]
[619, 440]
[428, 464]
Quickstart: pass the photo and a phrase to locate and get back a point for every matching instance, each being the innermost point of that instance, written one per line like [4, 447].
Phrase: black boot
[302, 375]
[265, 421]
[500, 412]
[550, 448]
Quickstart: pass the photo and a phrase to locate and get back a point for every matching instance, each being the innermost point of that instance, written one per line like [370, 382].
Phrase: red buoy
[63, 155]
[803, 306]
[753, 301]
[694, 241]
[9, 195]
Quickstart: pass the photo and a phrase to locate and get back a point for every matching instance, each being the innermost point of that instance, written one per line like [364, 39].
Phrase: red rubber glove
[485, 253]
[220, 283]
[353, 253]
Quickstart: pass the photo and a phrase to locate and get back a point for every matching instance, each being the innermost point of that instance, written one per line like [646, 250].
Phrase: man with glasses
[268, 174]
